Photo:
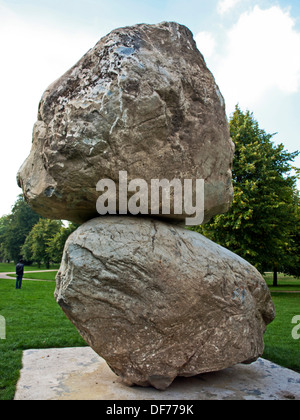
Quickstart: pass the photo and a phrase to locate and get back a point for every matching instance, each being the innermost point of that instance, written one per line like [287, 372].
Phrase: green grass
[11, 267]
[33, 321]
[5, 267]
[40, 276]
[285, 283]
[280, 347]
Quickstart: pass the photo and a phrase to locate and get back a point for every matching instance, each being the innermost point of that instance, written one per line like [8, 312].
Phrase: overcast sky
[251, 46]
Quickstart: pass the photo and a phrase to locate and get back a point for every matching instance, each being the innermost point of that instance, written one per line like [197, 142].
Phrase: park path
[5, 276]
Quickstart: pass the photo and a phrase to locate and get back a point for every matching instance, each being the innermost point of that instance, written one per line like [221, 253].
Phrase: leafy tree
[258, 226]
[57, 243]
[26, 250]
[3, 230]
[291, 265]
[16, 227]
[36, 246]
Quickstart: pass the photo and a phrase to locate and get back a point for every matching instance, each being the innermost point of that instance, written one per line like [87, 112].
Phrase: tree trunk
[275, 275]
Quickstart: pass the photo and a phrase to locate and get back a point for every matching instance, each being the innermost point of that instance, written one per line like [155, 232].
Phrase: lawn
[280, 347]
[34, 320]
[285, 283]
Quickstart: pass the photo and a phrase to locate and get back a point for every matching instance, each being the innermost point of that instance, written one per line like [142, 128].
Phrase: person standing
[20, 274]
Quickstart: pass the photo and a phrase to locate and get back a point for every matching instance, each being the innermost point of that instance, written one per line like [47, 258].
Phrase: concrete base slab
[80, 374]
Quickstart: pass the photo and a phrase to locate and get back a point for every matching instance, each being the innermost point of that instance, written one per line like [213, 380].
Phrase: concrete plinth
[80, 374]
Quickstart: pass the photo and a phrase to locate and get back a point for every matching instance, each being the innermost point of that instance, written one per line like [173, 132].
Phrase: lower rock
[157, 301]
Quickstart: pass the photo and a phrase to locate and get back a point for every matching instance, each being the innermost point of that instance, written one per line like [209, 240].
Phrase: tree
[57, 243]
[17, 226]
[26, 250]
[292, 262]
[36, 246]
[4, 221]
[259, 224]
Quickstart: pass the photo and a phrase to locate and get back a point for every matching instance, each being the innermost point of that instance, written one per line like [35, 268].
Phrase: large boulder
[157, 301]
[142, 101]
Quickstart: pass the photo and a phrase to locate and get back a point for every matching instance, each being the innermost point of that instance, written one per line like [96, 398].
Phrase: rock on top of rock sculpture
[142, 101]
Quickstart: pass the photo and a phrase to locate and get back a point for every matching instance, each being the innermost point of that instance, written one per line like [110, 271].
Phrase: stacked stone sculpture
[154, 299]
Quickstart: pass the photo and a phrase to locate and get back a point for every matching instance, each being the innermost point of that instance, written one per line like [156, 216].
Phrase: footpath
[7, 276]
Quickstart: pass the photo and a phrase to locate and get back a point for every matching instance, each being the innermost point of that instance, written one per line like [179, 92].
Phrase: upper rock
[142, 101]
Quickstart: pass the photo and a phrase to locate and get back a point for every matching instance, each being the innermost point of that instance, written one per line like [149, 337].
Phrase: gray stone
[79, 374]
[142, 101]
[157, 301]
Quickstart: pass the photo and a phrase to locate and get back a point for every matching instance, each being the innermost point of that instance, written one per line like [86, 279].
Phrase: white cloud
[205, 43]
[225, 5]
[262, 54]
[33, 55]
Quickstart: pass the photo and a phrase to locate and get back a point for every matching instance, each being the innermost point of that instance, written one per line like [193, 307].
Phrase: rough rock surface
[142, 101]
[157, 301]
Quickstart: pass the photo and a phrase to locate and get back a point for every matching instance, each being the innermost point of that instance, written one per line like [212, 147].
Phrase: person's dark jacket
[20, 269]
